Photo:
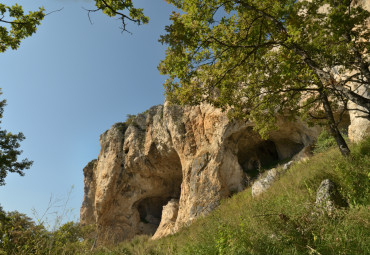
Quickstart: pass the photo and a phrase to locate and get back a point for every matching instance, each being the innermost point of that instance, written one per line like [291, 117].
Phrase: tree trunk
[333, 127]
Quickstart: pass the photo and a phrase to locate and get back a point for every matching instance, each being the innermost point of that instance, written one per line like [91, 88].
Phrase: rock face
[168, 221]
[360, 126]
[171, 165]
[262, 184]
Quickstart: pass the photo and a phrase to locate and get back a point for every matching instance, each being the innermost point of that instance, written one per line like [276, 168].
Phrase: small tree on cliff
[260, 58]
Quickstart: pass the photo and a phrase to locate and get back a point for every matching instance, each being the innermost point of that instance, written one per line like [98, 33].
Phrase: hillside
[284, 219]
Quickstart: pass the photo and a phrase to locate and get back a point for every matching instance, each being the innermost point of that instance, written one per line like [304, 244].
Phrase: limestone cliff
[172, 164]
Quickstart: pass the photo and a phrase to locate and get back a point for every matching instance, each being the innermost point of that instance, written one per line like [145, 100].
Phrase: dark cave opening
[150, 209]
[262, 155]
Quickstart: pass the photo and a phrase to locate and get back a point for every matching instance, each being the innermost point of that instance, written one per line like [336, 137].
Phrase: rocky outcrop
[170, 165]
[88, 205]
[328, 198]
[265, 181]
[168, 220]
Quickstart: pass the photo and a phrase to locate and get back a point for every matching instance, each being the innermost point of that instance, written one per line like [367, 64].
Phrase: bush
[19, 235]
[324, 142]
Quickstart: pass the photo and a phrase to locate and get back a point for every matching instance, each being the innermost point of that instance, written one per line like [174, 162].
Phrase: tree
[260, 58]
[17, 25]
[9, 151]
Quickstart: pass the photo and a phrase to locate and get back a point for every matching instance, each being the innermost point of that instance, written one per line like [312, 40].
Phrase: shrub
[324, 141]
[19, 235]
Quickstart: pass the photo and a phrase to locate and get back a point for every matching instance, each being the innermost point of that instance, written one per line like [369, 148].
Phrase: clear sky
[66, 85]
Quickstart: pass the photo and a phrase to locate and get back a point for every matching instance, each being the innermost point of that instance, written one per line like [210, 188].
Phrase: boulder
[328, 198]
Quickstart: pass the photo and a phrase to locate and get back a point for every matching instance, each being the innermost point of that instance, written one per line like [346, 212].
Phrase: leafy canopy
[16, 25]
[114, 8]
[255, 58]
[258, 58]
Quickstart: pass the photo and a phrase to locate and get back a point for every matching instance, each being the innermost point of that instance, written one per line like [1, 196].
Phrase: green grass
[281, 221]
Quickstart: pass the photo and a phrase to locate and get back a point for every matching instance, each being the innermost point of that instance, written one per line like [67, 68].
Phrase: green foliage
[70, 238]
[130, 118]
[258, 59]
[353, 175]
[115, 8]
[324, 142]
[17, 25]
[20, 235]
[9, 151]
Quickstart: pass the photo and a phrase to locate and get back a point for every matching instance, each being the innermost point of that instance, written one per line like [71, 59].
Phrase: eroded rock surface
[268, 178]
[168, 221]
[171, 157]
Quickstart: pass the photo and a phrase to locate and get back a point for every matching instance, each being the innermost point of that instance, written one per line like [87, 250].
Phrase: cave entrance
[150, 208]
[254, 158]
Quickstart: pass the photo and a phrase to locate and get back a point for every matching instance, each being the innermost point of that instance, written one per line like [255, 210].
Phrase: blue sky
[66, 85]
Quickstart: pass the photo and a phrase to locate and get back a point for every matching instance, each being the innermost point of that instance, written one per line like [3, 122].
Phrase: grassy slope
[281, 220]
